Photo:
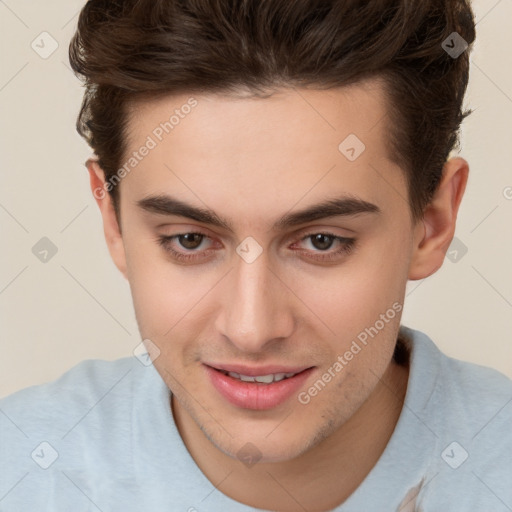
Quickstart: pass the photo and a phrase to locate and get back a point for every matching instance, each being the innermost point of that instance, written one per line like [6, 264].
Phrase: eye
[189, 241]
[322, 242]
[186, 247]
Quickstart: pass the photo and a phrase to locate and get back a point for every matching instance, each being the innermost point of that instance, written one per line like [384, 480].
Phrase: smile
[263, 379]
[260, 391]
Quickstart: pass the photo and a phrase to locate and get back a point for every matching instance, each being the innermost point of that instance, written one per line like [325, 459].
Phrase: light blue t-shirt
[102, 438]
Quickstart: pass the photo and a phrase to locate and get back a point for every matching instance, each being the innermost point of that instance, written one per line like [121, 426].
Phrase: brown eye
[186, 247]
[320, 244]
[190, 240]
[322, 241]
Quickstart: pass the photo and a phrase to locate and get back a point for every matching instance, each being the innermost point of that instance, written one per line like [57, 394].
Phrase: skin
[251, 160]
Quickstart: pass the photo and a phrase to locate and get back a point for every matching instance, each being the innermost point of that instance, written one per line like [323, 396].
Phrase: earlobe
[434, 233]
[111, 226]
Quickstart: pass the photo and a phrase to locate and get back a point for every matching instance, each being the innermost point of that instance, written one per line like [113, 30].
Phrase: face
[266, 291]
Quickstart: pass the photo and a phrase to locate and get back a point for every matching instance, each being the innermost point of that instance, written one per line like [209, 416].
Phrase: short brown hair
[130, 49]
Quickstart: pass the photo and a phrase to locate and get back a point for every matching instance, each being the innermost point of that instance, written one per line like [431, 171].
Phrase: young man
[270, 175]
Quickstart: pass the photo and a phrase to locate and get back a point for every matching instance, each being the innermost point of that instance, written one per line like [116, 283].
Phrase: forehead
[308, 114]
[237, 148]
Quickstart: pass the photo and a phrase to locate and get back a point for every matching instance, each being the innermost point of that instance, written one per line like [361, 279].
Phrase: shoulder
[464, 390]
[475, 394]
[77, 431]
[458, 400]
[477, 407]
[466, 411]
[32, 408]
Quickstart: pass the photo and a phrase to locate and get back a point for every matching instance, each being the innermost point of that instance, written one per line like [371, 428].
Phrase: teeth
[264, 379]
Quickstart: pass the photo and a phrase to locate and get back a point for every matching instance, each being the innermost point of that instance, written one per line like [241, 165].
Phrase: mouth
[257, 388]
[261, 379]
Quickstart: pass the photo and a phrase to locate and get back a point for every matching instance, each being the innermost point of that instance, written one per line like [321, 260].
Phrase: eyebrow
[342, 206]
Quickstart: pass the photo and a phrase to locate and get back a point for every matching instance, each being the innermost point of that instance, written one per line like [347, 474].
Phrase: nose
[256, 308]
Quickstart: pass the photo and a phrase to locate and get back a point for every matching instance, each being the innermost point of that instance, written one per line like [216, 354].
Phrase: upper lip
[253, 371]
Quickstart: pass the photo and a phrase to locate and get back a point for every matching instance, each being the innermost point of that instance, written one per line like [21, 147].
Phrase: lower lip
[255, 395]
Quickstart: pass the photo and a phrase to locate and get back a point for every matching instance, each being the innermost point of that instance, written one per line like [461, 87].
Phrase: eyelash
[347, 246]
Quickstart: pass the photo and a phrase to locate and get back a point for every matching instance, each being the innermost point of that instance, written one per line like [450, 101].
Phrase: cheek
[169, 303]
[160, 293]
[352, 296]
[166, 314]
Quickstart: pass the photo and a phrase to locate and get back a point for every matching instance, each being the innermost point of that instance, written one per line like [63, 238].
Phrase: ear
[434, 232]
[111, 226]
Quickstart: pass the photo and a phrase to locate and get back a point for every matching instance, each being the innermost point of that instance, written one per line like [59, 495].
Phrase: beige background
[77, 306]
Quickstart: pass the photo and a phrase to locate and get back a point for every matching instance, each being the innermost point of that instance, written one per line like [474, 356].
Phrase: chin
[262, 449]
